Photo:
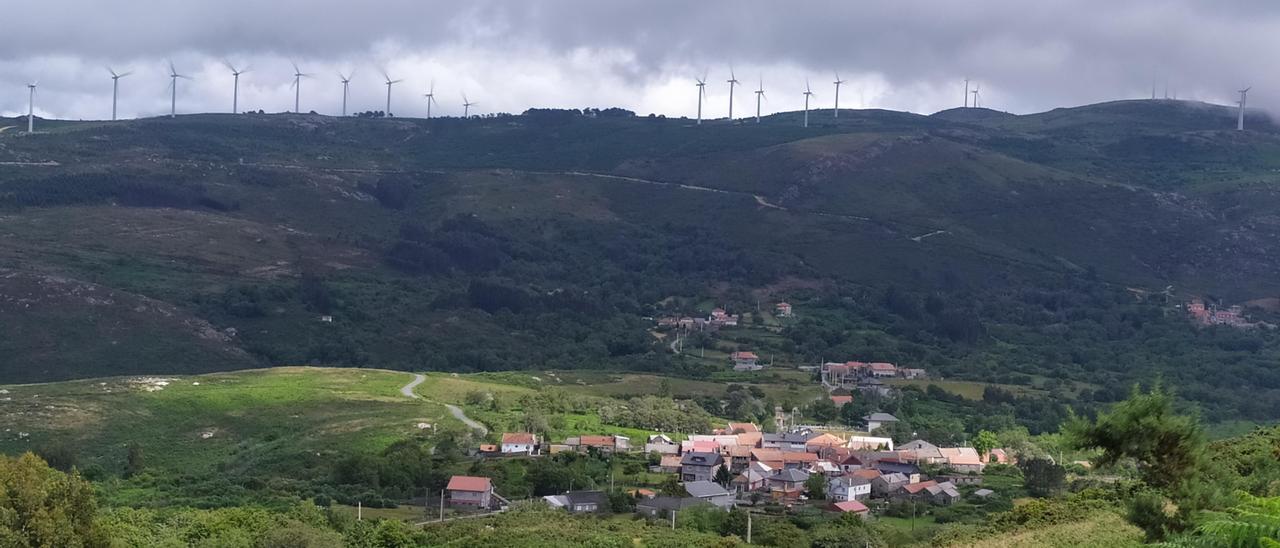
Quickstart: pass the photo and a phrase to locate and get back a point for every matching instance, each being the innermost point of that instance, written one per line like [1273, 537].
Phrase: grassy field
[1105, 530]
[966, 389]
[232, 420]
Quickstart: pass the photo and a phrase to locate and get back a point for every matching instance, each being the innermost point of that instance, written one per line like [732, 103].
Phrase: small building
[786, 441]
[670, 464]
[922, 452]
[984, 494]
[580, 502]
[661, 444]
[783, 309]
[603, 444]
[852, 507]
[870, 443]
[823, 440]
[999, 456]
[962, 459]
[519, 443]
[711, 492]
[472, 491]
[745, 361]
[754, 478]
[848, 487]
[741, 428]
[876, 420]
[913, 491]
[914, 373]
[699, 466]
[898, 465]
[882, 370]
[788, 484]
[944, 494]
[840, 401]
[887, 484]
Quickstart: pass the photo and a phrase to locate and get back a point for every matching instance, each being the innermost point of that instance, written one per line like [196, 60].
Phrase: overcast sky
[509, 55]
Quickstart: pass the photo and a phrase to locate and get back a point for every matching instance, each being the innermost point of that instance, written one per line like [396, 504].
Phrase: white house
[846, 488]
[519, 442]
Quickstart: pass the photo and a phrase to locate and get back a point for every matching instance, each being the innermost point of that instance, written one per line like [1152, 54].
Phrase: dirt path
[407, 391]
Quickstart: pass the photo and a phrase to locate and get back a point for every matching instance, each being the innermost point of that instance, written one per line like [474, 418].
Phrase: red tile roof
[743, 427]
[799, 456]
[866, 473]
[852, 506]
[841, 400]
[918, 487]
[597, 441]
[469, 483]
[518, 437]
[881, 366]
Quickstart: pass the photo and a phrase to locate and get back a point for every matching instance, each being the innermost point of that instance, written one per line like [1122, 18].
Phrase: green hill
[981, 245]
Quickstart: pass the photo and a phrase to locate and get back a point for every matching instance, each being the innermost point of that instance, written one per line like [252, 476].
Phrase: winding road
[407, 391]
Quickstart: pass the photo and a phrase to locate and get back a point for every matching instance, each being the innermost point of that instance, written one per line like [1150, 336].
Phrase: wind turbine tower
[976, 95]
[837, 83]
[235, 85]
[389, 82]
[346, 89]
[759, 95]
[173, 88]
[807, 94]
[1240, 121]
[297, 88]
[466, 106]
[733, 81]
[431, 98]
[702, 92]
[966, 93]
[31, 107]
[115, 89]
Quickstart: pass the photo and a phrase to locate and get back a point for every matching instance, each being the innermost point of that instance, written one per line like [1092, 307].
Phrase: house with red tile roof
[882, 369]
[782, 309]
[745, 361]
[841, 400]
[472, 491]
[852, 507]
[519, 442]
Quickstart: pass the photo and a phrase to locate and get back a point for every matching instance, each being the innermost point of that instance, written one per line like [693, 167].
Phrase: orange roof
[797, 456]
[469, 483]
[852, 506]
[519, 437]
[823, 440]
[766, 454]
[739, 451]
[743, 427]
[881, 366]
[744, 355]
[750, 439]
[918, 487]
[965, 456]
[865, 473]
[841, 400]
[706, 446]
[595, 441]
[670, 461]
[488, 447]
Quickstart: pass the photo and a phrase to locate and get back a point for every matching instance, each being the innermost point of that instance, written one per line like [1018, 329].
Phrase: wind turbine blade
[396, 81]
[113, 73]
[432, 91]
[172, 69]
[295, 67]
[123, 74]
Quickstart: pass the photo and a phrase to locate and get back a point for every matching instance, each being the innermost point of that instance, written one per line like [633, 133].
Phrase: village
[740, 465]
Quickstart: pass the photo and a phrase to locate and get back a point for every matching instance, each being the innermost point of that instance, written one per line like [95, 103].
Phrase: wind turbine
[389, 82]
[976, 95]
[297, 87]
[346, 88]
[173, 87]
[31, 107]
[807, 94]
[733, 81]
[466, 107]
[759, 95]
[235, 86]
[431, 98]
[837, 83]
[966, 93]
[702, 92]
[1240, 122]
[115, 88]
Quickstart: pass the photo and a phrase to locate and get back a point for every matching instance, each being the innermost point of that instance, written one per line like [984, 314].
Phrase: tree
[1043, 477]
[134, 462]
[1167, 448]
[723, 476]
[817, 486]
[823, 411]
[1253, 522]
[40, 506]
[985, 441]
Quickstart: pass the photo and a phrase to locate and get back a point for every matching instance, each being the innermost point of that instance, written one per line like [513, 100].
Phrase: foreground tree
[1253, 522]
[40, 506]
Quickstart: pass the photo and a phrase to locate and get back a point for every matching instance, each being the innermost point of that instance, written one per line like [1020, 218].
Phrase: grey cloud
[1027, 56]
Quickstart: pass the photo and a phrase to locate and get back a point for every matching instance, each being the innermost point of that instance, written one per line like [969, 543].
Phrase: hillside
[214, 242]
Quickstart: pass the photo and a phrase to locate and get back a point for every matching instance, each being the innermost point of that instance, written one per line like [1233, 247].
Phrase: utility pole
[359, 511]
[442, 505]
[748, 525]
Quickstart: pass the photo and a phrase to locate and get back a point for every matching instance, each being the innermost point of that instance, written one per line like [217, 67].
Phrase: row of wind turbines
[733, 83]
[236, 72]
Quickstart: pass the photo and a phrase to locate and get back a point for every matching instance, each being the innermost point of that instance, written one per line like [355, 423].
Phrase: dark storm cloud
[898, 54]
